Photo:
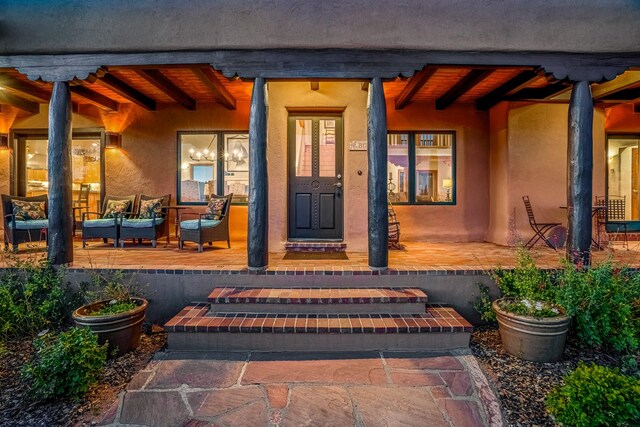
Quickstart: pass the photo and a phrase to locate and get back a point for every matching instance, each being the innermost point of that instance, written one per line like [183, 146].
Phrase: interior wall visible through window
[622, 171]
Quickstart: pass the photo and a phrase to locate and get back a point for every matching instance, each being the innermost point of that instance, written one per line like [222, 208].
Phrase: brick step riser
[346, 308]
[331, 342]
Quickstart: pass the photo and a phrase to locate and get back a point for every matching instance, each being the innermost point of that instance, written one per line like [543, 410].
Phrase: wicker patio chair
[152, 225]
[16, 232]
[106, 224]
[205, 230]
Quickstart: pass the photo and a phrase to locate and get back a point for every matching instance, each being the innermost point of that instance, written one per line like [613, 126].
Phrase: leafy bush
[112, 286]
[65, 365]
[483, 304]
[604, 302]
[33, 297]
[596, 396]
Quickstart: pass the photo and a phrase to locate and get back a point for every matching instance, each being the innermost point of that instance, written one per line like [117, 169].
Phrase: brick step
[438, 328]
[315, 246]
[318, 300]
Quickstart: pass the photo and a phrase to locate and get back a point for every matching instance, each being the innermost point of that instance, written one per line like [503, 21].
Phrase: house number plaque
[358, 146]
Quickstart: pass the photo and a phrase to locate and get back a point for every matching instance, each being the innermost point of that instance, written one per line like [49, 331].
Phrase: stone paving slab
[282, 390]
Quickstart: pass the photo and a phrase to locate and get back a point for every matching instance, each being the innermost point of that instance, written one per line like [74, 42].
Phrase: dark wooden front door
[316, 192]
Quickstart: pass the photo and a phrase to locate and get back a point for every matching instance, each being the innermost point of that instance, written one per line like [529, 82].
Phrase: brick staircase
[317, 319]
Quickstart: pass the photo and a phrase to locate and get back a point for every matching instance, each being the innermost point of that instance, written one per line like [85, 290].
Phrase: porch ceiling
[152, 87]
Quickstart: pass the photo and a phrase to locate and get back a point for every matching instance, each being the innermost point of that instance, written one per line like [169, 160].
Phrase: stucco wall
[536, 166]
[57, 26]
[468, 219]
[331, 94]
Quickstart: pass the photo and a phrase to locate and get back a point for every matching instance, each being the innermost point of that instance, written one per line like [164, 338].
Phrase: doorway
[315, 175]
[622, 166]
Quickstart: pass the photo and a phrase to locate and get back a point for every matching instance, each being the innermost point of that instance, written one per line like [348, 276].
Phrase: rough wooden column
[377, 178]
[258, 222]
[580, 173]
[59, 175]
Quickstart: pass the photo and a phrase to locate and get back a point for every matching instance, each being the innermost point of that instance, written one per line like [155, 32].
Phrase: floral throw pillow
[27, 211]
[116, 207]
[148, 207]
[215, 207]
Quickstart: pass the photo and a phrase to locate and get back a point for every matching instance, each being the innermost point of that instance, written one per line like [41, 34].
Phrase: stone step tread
[437, 318]
[232, 295]
[315, 247]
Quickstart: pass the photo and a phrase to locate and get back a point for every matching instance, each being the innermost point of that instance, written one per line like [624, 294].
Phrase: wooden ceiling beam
[315, 85]
[364, 86]
[515, 84]
[636, 107]
[624, 81]
[209, 79]
[19, 103]
[465, 84]
[164, 84]
[624, 95]
[25, 88]
[123, 89]
[95, 98]
[413, 86]
[540, 93]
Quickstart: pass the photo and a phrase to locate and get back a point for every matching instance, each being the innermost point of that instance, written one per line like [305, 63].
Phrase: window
[421, 167]
[622, 176]
[212, 162]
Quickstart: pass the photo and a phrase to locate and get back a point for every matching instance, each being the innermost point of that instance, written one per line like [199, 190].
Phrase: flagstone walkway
[263, 389]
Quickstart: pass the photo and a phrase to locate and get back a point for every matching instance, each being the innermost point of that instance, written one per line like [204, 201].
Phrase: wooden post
[258, 222]
[580, 173]
[59, 175]
[377, 178]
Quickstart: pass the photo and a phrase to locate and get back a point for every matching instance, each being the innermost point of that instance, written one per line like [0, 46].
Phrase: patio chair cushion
[140, 222]
[33, 224]
[622, 226]
[192, 224]
[95, 223]
[215, 207]
[28, 211]
[115, 207]
[148, 207]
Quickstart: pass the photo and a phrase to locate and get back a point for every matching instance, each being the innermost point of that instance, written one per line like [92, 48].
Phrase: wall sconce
[447, 184]
[4, 141]
[113, 140]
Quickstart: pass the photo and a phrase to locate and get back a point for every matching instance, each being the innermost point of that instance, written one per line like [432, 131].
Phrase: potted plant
[532, 325]
[115, 315]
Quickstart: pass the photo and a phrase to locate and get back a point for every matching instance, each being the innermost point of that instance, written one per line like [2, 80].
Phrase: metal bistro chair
[80, 204]
[539, 228]
[611, 219]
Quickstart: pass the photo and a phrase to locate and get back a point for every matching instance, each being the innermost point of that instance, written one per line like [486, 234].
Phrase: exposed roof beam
[413, 86]
[636, 108]
[624, 81]
[121, 88]
[163, 83]
[18, 102]
[95, 98]
[472, 78]
[315, 85]
[30, 90]
[517, 83]
[539, 93]
[209, 78]
[625, 95]
[364, 86]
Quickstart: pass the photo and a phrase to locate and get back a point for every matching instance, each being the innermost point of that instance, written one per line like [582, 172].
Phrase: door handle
[338, 184]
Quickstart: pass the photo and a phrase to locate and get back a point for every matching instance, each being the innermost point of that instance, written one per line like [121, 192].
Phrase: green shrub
[604, 302]
[65, 365]
[596, 396]
[33, 297]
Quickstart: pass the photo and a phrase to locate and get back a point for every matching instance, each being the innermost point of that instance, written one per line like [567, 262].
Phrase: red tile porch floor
[414, 257]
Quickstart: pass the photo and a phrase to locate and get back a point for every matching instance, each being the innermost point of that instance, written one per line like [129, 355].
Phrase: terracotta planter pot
[121, 330]
[530, 338]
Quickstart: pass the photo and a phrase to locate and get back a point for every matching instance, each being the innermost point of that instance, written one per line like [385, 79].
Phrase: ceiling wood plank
[95, 98]
[164, 84]
[472, 78]
[413, 86]
[546, 92]
[19, 103]
[208, 77]
[30, 90]
[132, 94]
[515, 84]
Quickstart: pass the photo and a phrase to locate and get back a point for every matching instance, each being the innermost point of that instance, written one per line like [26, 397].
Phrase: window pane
[434, 172]
[304, 149]
[327, 148]
[236, 173]
[398, 167]
[622, 157]
[85, 167]
[198, 170]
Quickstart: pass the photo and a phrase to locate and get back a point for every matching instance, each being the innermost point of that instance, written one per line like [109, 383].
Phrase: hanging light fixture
[205, 154]
[4, 141]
